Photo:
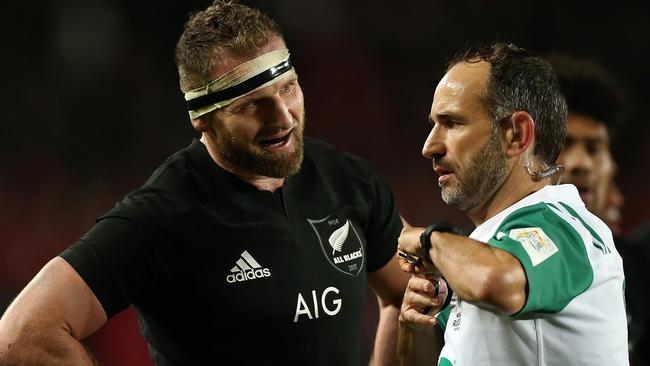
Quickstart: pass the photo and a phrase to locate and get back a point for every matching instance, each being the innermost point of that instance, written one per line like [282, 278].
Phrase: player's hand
[423, 299]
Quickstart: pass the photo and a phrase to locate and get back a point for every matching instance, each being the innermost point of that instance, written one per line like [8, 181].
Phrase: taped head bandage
[240, 81]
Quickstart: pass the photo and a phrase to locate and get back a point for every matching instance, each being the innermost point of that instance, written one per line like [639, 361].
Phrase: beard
[483, 174]
[233, 148]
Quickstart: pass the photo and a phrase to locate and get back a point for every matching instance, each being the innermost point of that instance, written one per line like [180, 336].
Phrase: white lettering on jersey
[247, 268]
[348, 257]
[337, 301]
[302, 308]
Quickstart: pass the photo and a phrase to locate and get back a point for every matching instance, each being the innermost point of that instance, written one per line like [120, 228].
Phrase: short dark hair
[224, 29]
[520, 81]
[589, 89]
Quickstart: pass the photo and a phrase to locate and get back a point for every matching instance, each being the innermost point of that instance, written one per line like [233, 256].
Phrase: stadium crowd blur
[91, 104]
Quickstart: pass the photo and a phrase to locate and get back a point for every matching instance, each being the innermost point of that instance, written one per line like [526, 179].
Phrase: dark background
[91, 104]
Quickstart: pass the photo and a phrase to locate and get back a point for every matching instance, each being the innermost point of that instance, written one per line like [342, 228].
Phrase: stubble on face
[477, 182]
[238, 151]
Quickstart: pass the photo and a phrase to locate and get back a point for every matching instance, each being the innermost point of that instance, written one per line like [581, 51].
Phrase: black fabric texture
[221, 272]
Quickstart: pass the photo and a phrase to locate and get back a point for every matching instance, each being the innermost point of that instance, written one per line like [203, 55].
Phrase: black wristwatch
[425, 237]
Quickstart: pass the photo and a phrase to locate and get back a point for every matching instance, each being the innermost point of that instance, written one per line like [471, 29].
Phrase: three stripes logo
[246, 268]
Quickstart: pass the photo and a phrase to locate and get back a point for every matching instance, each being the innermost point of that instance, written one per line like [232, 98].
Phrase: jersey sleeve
[121, 258]
[552, 253]
[384, 224]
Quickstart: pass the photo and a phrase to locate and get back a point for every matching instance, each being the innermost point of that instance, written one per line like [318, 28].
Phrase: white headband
[240, 81]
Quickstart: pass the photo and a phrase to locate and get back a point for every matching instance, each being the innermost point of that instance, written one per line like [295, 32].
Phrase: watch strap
[425, 237]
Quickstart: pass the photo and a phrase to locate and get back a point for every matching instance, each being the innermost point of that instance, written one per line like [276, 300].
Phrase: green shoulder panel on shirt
[445, 362]
[552, 253]
[443, 316]
[597, 241]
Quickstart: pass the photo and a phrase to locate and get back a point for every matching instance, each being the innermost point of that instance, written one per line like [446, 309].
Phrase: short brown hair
[521, 81]
[224, 29]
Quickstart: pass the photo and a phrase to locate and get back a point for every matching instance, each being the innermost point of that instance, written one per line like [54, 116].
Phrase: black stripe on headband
[241, 88]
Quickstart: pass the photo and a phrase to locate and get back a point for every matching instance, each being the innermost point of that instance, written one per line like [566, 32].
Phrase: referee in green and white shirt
[539, 281]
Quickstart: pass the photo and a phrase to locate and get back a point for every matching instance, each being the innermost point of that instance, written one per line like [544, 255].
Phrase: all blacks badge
[340, 243]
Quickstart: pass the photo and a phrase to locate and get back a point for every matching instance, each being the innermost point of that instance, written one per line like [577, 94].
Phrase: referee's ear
[520, 135]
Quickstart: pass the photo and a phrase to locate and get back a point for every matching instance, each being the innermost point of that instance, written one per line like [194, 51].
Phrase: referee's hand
[423, 299]
[409, 245]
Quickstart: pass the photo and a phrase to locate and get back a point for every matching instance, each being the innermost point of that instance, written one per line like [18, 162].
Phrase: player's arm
[388, 283]
[479, 273]
[45, 323]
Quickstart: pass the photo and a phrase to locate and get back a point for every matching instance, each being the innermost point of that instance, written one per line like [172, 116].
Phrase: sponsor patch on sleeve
[536, 243]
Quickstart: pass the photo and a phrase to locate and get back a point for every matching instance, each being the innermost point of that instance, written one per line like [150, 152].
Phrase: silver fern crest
[338, 237]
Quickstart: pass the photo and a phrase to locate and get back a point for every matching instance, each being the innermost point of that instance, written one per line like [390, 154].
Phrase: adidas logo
[247, 268]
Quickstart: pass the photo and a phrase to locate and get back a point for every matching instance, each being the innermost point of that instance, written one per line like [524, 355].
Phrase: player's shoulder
[168, 189]
[329, 157]
[174, 171]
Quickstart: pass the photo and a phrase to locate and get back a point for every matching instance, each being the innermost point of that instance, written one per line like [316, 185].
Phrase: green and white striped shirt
[574, 312]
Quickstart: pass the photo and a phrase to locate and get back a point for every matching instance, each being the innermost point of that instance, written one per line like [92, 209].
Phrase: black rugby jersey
[220, 272]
